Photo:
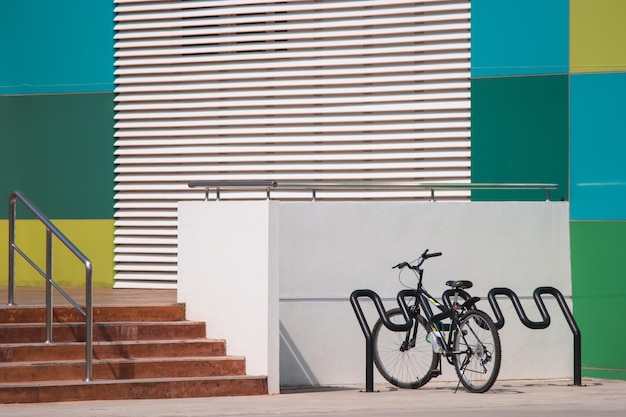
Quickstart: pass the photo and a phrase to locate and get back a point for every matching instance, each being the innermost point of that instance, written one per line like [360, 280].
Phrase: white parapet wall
[228, 278]
[274, 277]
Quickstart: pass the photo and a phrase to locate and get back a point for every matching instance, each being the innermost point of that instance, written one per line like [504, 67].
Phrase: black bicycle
[410, 359]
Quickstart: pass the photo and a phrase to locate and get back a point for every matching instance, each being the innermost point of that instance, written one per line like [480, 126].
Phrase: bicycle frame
[435, 320]
[424, 302]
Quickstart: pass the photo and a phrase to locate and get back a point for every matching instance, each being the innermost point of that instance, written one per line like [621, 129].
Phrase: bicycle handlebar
[422, 258]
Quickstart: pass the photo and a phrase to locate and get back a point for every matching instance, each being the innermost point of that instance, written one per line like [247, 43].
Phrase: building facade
[535, 93]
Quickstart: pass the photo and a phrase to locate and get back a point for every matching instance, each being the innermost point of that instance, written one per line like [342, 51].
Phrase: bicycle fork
[410, 337]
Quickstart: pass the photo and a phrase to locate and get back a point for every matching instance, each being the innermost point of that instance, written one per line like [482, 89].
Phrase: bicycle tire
[477, 351]
[409, 367]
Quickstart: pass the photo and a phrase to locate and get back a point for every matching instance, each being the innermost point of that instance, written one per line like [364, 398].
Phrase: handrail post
[89, 324]
[48, 285]
[12, 205]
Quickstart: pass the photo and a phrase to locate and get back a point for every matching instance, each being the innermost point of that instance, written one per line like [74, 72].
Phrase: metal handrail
[47, 274]
[313, 187]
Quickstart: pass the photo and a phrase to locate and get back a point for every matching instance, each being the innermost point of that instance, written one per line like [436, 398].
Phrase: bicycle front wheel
[477, 352]
[405, 359]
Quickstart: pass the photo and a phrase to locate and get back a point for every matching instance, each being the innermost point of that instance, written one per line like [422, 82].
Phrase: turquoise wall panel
[519, 37]
[58, 149]
[520, 134]
[598, 146]
[56, 46]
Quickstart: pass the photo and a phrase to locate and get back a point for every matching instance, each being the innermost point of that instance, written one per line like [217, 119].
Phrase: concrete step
[75, 332]
[132, 389]
[123, 369]
[29, 352]
[37, 314]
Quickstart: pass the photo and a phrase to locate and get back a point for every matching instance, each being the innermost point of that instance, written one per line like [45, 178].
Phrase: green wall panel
[58, 150]
[520, 133]
[598, 292]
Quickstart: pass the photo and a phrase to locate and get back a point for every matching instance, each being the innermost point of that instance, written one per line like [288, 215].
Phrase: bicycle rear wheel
[477, 352]
[400, 361]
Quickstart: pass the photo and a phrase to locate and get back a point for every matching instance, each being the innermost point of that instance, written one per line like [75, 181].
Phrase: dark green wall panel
[520, 133]
[598, 290]
[58, 149]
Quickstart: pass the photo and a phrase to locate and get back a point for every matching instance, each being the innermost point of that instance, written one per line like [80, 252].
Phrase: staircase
[139, 352]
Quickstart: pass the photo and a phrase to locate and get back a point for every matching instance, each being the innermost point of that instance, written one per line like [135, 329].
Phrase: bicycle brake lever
[401, 265]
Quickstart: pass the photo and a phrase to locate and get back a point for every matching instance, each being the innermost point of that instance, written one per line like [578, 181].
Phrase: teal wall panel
[519, 37]
[56, 46]
[598, 146]
[520, 134]
[598, 292]
[58, 149]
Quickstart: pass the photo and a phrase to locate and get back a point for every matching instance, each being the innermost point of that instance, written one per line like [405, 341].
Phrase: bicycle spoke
[404, 359]
[477, 351]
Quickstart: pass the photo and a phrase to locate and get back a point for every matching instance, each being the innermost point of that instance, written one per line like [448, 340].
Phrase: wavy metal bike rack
[545, 322]
[493, 293]
[367, 332]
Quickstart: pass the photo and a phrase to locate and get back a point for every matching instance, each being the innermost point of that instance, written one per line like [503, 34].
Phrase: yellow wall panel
[597, 36]
[94, 238]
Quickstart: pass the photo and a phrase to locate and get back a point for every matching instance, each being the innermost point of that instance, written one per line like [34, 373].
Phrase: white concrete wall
[325, 250]
[228, 278]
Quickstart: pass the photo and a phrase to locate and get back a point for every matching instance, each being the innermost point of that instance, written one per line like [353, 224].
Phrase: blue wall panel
[56, 46]
[512, 37]
[598, 146]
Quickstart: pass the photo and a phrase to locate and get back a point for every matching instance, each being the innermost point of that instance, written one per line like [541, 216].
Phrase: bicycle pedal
[435, 373]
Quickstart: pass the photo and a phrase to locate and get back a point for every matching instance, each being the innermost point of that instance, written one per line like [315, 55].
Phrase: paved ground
[554, 398]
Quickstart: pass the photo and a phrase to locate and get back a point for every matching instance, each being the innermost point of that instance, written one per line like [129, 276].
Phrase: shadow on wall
[293, 366]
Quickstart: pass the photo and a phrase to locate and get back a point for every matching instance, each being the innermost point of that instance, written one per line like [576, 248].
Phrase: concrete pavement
[555, 398]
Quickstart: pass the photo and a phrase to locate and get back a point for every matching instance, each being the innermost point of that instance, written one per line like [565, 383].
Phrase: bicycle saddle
[459, 284]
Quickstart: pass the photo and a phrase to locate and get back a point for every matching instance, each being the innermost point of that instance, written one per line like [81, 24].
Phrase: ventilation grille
[333, 91]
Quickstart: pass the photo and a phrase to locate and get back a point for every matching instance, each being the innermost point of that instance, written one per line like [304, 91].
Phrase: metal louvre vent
[280, 90]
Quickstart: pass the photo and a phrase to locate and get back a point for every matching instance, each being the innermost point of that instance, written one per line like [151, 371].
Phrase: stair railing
[51, 231]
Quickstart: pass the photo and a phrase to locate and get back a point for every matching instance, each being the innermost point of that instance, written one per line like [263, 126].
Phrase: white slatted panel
[280, 90]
